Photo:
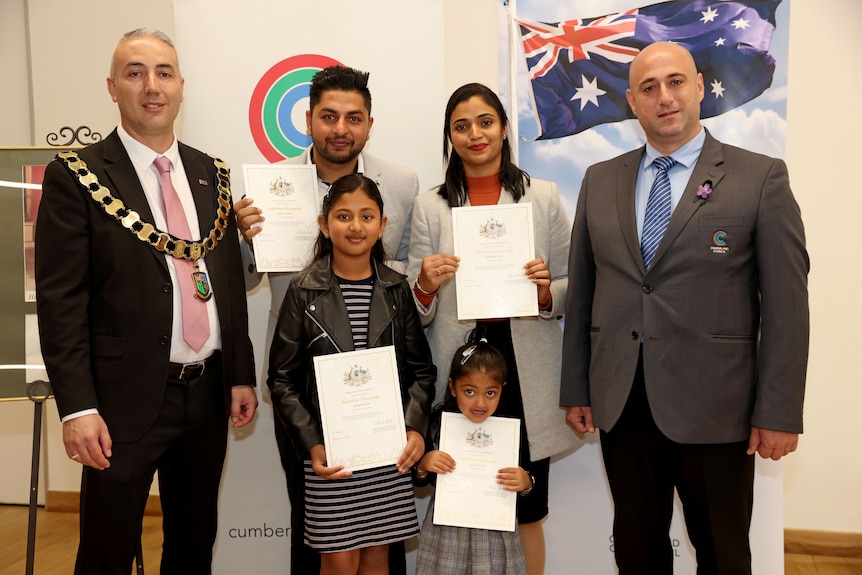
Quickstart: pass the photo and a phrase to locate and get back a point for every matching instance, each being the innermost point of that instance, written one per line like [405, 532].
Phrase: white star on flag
[740, 24]
[717, 89]
[719, 42]
[709, 15]
[588, 92]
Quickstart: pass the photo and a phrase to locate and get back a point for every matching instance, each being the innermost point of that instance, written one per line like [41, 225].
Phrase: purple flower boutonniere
[704, 190]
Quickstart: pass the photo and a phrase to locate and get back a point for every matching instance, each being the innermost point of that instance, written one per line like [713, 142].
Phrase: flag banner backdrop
[570, 66]
[579, 68]
[758, 124]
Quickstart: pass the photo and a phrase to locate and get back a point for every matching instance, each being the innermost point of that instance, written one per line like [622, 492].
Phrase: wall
[14, 103]
[821, 480]
[16, 429]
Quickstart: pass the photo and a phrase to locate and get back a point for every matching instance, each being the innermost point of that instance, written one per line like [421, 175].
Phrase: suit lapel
[626, 182]
[124, 184]
[199, 174]
[706, 168]
[372, 172]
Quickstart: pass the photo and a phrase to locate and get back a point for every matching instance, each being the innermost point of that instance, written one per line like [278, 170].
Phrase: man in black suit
[144, 332]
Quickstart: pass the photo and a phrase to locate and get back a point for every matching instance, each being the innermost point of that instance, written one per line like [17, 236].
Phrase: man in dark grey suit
[691, 364]
[339, 122]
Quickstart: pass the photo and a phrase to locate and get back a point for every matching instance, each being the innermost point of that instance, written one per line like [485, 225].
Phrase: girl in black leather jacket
[351, 517]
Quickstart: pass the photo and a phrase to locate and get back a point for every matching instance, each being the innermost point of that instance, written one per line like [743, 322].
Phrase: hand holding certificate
[360, 408]
[494, 243]
[470, 496]
[288, 197]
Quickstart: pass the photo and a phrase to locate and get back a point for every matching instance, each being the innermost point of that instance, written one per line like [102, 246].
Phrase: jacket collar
[329, 310]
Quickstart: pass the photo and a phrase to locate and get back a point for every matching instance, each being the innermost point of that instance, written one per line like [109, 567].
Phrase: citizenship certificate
[494, 243]
[288, 196]
[360, 408]
[470, 495]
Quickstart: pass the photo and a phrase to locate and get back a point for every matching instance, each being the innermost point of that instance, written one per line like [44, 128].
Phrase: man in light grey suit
[693, 363]
[339, 122]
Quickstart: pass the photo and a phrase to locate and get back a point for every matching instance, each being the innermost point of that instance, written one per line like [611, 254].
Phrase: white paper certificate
[360, 408]
[288, 196]
[470, 495]
[494, 243]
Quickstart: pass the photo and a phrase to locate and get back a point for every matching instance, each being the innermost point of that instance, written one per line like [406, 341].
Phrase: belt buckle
[201, 364]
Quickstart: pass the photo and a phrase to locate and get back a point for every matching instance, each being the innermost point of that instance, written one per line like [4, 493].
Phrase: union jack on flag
[579, 68]
[578, 39]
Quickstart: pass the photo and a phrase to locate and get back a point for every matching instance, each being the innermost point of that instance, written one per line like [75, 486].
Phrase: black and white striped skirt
[372, 507]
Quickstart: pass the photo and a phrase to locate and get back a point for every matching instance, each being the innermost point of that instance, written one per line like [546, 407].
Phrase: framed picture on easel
[21, 173]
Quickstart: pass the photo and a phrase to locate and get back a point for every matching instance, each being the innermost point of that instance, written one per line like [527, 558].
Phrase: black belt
[187, 371]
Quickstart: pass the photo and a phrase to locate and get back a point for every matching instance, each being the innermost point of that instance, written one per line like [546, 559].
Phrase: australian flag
[578, 69]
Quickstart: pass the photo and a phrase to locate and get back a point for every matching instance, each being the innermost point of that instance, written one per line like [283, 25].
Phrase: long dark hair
[476, 355]
[454, 189]
[347, 185]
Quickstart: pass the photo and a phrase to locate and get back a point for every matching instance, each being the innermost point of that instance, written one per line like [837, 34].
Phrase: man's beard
[341, 157]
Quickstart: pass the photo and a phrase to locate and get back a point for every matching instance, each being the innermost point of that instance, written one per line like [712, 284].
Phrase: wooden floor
[57, 542]
[820, 565]
[57, 539]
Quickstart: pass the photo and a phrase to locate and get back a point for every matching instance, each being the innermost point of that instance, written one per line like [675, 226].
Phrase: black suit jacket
[104, 298]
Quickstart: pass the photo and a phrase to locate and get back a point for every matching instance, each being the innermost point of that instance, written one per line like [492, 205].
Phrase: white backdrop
[225, 51]
[225, 48]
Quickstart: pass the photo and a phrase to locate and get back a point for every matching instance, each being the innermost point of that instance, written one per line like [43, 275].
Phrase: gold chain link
[146, 232]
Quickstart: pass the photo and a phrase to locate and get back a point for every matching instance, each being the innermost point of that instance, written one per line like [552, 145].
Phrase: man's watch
[529, 490]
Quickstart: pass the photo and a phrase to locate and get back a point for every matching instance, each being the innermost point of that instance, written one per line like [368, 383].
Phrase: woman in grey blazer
[480, 171]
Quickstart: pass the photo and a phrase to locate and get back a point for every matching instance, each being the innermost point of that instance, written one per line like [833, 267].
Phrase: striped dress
[373, 506]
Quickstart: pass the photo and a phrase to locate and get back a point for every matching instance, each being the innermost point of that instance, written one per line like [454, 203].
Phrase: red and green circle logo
[276, 114]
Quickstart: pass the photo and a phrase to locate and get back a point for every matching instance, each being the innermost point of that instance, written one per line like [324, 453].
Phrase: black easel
[37, 391]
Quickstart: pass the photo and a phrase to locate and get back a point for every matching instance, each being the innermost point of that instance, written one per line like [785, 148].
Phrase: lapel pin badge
[719, 242]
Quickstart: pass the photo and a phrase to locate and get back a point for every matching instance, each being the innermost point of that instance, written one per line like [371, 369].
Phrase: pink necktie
[196, 328]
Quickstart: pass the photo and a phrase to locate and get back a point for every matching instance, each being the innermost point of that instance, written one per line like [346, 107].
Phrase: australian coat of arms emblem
[357, 376]
[281, 187]
[492, 229]
[479, 438]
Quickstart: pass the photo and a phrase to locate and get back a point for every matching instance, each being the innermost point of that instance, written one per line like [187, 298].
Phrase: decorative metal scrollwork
[74, 135]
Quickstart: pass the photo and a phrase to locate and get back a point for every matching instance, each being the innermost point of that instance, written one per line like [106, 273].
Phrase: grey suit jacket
[722, 313]
[537, 341]
[398, 186]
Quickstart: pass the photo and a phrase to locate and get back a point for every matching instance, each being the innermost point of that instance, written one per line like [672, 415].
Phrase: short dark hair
[454, 189]
[347, 185]
[339, 78]
[142, 33]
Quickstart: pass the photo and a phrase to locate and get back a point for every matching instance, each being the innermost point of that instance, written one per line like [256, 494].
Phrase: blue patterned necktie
[657, 209]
